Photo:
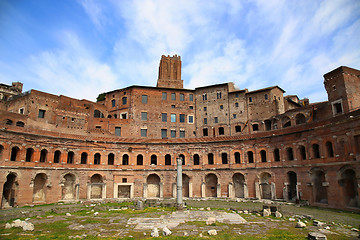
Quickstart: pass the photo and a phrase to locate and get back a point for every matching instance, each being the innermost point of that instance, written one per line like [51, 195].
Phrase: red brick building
[234, 143]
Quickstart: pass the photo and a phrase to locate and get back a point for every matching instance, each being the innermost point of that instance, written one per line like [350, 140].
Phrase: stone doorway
[239, 181]
[320, 187]
[349, 185]
[185, 185]
[265, 186]
[124, 191]
[153, 185]
[9, 191]
[68, 188]
[96, 187]
[39, 192]
[292, 187]
[211, 182]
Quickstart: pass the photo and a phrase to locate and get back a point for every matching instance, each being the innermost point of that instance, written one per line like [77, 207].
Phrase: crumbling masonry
[234, 143]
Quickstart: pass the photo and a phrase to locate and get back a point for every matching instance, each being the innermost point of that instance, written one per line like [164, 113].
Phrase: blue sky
[85, 47]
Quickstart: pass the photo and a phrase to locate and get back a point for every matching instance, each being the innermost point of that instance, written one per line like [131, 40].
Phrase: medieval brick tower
[170, 72]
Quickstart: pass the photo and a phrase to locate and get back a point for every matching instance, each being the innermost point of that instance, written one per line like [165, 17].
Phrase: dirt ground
[126, 220]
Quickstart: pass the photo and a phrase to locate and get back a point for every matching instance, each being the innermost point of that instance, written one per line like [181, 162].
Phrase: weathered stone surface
[166, 231]
[300, 224]
[316, 236]
[210, 220]
[212, 232]
[27, 226]
[266, 212]
[155, 232]
[278, 214]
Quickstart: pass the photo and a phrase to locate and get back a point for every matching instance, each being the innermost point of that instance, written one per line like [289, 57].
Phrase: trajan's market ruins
[234, 143]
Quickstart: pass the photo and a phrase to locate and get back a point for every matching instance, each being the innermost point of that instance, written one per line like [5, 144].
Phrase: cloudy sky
[85, 47]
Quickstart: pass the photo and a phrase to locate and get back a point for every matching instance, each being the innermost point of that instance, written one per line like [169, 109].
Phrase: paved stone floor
[174, 219]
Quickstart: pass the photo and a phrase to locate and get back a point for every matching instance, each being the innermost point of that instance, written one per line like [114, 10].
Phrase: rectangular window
[221, 107]
[218, 95]
[164, 96]
[144, 116]
[164, 117]
[190, 119]
[144, 99]
[234, 115]
[216, 120]
[143, 132]
[191, 107]
[205, 120]
[173, 96]
[236, 104]
[117, 131]
[182, 133]
[163, 133]
[113, 103]
[205, 109]
[173, 133]
[182, 118]
[41, 113]
[173, 117]
[182, 97]
[191, 97]
[205, 132]
[124, 100]
[172, 106]
[21, 110]
[98, 127]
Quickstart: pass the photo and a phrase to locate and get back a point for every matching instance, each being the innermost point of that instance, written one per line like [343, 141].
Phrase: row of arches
[289, 154]
[210, 186]
[11, 122]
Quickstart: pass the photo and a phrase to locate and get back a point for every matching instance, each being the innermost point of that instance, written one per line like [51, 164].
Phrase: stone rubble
[166, 231]
[212, 232]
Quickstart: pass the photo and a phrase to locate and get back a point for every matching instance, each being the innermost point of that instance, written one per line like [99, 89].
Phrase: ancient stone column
[179, 183]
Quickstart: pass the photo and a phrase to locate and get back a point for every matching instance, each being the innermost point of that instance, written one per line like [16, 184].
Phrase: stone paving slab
[175, 218]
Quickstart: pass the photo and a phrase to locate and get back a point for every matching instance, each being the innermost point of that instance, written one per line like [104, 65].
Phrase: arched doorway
[9, 191]
[292, 186]
[68, 189]
[320, 190]
[211, 182]
[185, 185]
[265, 185]
[239, 182]
[349, 185]
[153, 185]
[96, 190]
[39, 192]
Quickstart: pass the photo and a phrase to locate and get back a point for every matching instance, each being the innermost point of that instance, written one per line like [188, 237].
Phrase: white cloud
[94, 11]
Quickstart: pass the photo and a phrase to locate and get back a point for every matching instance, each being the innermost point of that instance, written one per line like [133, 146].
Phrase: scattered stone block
[166, 231]
[68, 214]
[212, 232]
[318, 223]
[27, 226]
[300, 224]
[155, 232]
[292, 219]
[266, 212]
[316, 236]
[278, 214]
[7, 225]
[210, 220]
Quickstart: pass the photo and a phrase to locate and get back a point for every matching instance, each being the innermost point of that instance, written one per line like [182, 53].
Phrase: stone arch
[239, 183]
[211, 182]
[96, 186]
[276, 155]
[300, 118]
[286, 122]
[263, 156]
[9, 191]
[68, 187]
[292, 186]
[196, 159]
[29, 155]
[20, 124]
[153, 185]
[39, 189]
[316, 150]
[302, 152]
[97, 158]
[267, 123]
[250, 156]
[319, 185]
[210, 158]
[348, 182]
[70, 157]
[265, 185]
[182, 156]
[224, 158]
[14, 153]
[139, 159]
[167, 159]
[125, 159]
[237, 157]
[290, 153]
[111, 159]
[329, 149]
[153, 160]
[84, 157]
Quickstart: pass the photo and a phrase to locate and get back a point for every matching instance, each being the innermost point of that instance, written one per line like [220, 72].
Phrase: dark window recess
[117, 131]
[41, 113]
[182, 118]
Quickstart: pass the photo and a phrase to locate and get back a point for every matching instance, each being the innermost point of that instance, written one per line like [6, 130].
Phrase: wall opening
[9, 191]
[239, 182]
[153, 185]
[211, 182]
[39, 191]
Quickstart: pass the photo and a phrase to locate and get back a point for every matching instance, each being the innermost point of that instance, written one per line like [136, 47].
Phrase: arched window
[286, 122]
[167, 159]
[316, 150]
[237, 157]
[267, 125]
[14, 153]
[8, 122]
[255, 127]
[224, 158]
[153, 159]
[111, 159]
[221, 131]
[276, 155]
[29, 154]
[20, 124]
[300, 119]
[125, 159]
[263, 155]
[43, 155]
[329, 149]
[57, 155]
[84, 157]
[183, 158]
[196, 159]
[97, 158]
[98, 114]
[302, 152]
[290, 153]
[70, 158]
[210, 158]
[250, 156]
[139, 159]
